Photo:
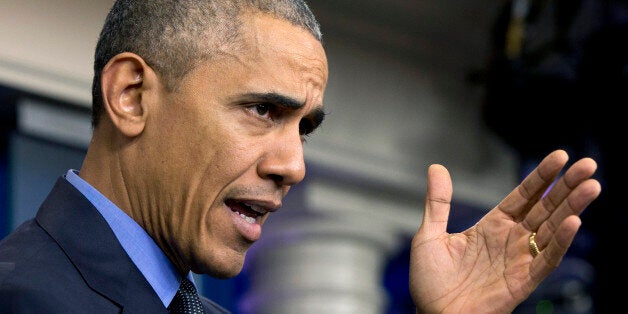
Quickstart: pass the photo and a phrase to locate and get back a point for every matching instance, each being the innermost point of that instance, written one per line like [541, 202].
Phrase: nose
[283, 162]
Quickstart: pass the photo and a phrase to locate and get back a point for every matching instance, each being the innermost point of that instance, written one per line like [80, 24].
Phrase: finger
[556, 203]
[552, 255]
[519, 202]
[573, 205]
[437, 200]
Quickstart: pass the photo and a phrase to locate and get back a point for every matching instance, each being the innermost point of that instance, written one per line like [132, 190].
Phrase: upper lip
[261, 206]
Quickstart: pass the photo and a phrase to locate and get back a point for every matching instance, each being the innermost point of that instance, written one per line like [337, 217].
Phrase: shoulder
[33, 268]
[51, 299]
[29, 250]
[15, 299]
[40, 279]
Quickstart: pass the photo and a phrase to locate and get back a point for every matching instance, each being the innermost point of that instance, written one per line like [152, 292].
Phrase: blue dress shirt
[160, 273]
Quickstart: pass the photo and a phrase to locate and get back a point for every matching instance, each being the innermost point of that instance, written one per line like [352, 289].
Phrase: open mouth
[250, 213]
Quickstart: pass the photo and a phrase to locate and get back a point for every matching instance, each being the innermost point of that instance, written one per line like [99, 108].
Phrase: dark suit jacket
[67, 260]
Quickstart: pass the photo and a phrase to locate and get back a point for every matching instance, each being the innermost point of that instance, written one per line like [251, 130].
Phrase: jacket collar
[87, 240]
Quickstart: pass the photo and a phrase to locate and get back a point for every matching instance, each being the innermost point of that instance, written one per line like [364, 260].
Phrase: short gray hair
[166, 33]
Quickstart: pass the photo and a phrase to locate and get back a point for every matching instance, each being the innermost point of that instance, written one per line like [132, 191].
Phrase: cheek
[224, 160]
[231, 160]
[213, 149]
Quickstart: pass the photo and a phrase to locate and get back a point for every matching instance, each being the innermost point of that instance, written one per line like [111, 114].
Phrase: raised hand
[490, 267]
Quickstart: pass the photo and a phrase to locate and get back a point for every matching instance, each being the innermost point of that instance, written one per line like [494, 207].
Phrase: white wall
[47, 46]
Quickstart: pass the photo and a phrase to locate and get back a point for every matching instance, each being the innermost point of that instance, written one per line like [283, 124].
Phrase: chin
[225, 275]
[220, 268]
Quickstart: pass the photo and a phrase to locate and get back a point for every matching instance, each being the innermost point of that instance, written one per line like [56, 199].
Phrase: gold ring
[534, 249]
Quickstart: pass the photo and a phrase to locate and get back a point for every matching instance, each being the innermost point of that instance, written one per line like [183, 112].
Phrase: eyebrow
[278, 99]
[316, 116]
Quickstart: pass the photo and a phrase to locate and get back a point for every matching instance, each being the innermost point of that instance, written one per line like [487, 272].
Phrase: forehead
[278, 35]
[269, 56]
[281, 52]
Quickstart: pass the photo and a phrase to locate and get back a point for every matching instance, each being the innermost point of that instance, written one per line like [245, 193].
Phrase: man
[200, 110]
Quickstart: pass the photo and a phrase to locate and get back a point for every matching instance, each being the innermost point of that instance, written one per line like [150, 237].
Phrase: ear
[123, 82]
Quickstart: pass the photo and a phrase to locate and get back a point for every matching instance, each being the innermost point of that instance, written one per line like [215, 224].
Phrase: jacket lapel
[91, 245]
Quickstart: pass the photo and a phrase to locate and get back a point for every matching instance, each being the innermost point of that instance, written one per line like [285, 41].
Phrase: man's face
[219, 153]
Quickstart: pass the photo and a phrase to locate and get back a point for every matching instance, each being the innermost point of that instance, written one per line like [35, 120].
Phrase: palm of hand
[488, 268]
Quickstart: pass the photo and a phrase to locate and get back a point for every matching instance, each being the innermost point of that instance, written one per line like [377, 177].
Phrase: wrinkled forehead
[274, 55]
[278, 41]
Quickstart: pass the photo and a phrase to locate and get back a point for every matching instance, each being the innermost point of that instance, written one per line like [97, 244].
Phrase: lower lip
[250, 231]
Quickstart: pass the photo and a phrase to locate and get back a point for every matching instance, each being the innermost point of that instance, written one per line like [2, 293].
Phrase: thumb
[437, 201]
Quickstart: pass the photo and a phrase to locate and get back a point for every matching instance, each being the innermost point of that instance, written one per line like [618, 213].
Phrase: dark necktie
[186, 301]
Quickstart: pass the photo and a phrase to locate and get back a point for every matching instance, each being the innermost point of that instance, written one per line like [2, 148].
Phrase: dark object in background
[557, 77]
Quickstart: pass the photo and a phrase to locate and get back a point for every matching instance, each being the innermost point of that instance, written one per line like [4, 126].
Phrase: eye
[263, 110]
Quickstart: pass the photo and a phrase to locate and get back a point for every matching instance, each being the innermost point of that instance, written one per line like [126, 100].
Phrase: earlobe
[123, 83]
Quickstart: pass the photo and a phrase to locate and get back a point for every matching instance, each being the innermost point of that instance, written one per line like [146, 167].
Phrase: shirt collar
[160, 273]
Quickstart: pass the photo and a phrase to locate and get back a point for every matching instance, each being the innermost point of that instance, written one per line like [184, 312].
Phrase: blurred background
[486, 88]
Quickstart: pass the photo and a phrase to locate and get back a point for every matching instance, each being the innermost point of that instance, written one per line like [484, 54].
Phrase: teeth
[248, 219]
[256, 208]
